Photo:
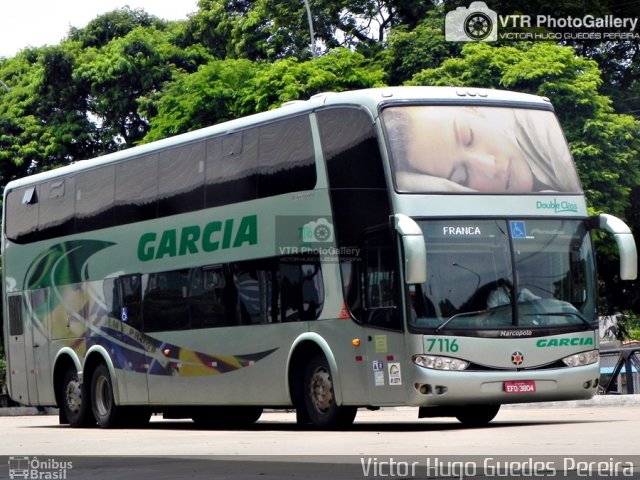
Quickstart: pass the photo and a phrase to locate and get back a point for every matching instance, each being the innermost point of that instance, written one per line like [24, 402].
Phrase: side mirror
[414, 249]
[626, 244]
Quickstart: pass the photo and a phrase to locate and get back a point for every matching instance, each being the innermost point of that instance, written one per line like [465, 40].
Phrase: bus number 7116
[442, 345]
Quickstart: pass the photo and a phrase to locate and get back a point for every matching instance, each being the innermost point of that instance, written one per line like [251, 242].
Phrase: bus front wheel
[477, 415]
[75, 401]
[319, 397]
[102, 400]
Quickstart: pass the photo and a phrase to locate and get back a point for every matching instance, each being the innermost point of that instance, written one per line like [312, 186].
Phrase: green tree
[411, 49]
[291, 79]
[121, 74]
[226, 89]
[42, 121]
[273, 29]
[111, 25]
[206, 97]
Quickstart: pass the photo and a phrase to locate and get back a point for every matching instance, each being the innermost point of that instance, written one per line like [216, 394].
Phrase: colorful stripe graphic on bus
[62, 264]
[135, 351]
[57, 284]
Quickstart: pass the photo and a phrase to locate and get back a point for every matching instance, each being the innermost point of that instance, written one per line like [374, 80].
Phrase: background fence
[620, 370]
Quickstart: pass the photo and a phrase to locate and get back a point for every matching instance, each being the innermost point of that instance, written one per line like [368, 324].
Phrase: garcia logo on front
[558, 207]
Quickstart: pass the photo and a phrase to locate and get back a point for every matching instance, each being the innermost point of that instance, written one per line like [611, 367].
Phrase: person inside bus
[501, 295]
[499, 150]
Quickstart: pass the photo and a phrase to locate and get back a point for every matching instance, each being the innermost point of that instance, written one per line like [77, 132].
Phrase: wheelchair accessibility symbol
[518, 230]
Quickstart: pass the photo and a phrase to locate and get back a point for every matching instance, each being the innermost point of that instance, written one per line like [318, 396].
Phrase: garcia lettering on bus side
[193, 239]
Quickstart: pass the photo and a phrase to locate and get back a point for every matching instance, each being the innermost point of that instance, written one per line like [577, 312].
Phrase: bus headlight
[583, 358]
[440, 363]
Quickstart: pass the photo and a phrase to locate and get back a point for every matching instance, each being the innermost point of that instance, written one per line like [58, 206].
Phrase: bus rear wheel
[105, 410]
[319, 397]
[75, 401]
[477, 415]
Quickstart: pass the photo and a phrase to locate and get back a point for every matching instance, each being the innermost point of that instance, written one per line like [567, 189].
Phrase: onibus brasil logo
[35, 468]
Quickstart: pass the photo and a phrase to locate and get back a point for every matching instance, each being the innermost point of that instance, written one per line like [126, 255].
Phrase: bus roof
[369, 98]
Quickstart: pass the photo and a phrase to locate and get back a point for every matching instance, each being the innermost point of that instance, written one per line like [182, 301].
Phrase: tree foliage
[226, 89]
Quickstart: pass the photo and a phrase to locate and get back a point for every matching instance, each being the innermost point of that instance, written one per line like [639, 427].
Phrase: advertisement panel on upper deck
[482, 149]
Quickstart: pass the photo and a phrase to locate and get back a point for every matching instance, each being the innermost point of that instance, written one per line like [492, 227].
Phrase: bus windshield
[497, 274]
[477, 149]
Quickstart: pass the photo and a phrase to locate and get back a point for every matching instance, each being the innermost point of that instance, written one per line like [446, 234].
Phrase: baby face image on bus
[481, 149]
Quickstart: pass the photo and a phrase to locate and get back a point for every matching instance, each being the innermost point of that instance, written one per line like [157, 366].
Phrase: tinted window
[270, 290]
[57, 205]
[232, 167]
[350, 149]
[276, 290]
[131, 292]
[136, 189]
[166, 305]
[381, 284]
[262, 161]
[212, 299]
[181, 179]
[21, 215]
[286, 163]
[95, 199]
[358, 191]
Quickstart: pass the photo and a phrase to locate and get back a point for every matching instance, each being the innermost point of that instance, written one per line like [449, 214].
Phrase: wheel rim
[102, 395]
[73, 395]
[321, 390]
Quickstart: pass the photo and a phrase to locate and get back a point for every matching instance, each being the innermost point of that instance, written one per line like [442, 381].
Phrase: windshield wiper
[459, 315]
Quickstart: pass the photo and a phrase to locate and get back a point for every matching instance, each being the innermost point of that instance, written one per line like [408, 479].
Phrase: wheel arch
[65, 359]
[305, 347]
[94, 357]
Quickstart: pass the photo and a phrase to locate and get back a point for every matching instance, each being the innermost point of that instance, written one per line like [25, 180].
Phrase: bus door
[38, 362]
[17, 358]
[136, 349]
[382, 319]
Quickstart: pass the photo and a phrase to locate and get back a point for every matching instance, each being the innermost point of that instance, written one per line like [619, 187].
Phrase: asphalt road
[604, 433]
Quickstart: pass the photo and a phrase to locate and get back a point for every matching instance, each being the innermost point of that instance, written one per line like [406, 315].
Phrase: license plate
[520, 386]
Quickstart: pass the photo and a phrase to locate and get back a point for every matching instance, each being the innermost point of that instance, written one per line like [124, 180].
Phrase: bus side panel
[224, 366]
[351, 377]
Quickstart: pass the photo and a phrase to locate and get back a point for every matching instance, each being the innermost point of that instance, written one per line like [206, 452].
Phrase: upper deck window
[478, 149]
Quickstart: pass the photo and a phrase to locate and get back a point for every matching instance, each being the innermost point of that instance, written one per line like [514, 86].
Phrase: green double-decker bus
[423, 246]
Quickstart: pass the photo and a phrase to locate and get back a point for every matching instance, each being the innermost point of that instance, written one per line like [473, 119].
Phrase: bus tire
[103, 404]
[319, 398]
[74, 401]
[477, 415]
